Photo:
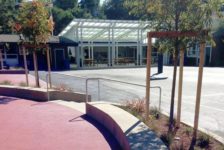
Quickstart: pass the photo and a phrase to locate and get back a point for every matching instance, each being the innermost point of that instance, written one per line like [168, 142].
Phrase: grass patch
[6, 82]
[63, 87]
[23, 84]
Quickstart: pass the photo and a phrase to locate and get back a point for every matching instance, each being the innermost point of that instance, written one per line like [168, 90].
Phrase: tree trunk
[25, 65]
[175, 60]
[49, 67]
[1, 60]
[180, 87]
[36, 68]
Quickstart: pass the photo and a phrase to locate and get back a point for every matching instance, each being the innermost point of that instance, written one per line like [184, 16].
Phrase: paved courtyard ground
[212, 101]
[19, 79]
[29, 125]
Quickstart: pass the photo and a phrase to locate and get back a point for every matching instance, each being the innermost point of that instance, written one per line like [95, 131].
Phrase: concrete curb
[216, 137]
[130, 132]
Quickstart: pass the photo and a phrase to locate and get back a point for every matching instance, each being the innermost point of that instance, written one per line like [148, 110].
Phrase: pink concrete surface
[29, 125]
[16, 79]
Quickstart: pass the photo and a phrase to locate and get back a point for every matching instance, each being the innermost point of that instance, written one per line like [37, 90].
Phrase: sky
[101, 1]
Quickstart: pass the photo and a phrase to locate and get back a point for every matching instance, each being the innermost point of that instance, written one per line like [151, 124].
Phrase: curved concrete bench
[41, 95]
[130, 132]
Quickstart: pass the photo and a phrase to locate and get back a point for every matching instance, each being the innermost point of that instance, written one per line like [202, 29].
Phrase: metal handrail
[106, 79]
[112, 80]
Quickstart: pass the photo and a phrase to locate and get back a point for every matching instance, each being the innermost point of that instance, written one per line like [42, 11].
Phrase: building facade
[13, 56]
[108, 43]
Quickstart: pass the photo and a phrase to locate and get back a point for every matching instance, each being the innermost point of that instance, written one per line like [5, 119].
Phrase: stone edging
[130, 132]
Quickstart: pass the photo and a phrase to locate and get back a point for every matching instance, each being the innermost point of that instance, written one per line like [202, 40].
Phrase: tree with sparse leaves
[36, 26]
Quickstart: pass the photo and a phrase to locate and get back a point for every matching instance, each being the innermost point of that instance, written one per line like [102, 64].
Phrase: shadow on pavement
[6, 100]
[107, 135]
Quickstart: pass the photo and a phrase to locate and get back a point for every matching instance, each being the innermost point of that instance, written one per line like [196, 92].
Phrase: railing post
[98, 89]
[160, 98]
[87, 90]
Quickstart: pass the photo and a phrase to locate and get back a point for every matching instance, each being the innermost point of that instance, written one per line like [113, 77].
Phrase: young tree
[36, 27]
[176, 15]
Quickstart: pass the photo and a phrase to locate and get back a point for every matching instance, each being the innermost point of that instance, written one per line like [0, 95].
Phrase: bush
[154, 112]
[167, 138]
[6, 82]
[203, 140]
[188, 131]
[63, 87]
[136, 105]
[23, 84]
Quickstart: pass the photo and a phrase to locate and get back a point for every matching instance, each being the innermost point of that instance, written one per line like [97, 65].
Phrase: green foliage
[154, 111]
[6, 82]
[91, 6]
[203, 140]
[7, 15]
[61, 18]
[175, 15]
[66, 4]
[188, 131]
[35, 22]
[114, 9]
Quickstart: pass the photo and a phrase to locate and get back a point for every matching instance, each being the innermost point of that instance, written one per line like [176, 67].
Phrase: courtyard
[211, 113]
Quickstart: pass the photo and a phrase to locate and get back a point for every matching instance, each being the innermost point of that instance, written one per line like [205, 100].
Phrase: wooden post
[180, 87]
[148, 74]
[199, 86]
[49, 66]
[25, 65]
[1, 59]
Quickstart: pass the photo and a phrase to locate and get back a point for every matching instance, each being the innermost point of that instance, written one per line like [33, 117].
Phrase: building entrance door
[59, 59]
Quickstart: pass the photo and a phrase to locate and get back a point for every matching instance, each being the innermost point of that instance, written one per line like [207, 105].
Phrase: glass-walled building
[107, 43]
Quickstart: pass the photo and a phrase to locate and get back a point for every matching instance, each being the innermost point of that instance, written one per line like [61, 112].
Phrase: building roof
[14, 38]
[98, 30]
[8, 38]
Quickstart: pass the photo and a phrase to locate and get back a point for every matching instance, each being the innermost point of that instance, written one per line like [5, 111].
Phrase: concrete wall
[41, 95]
[103, 118]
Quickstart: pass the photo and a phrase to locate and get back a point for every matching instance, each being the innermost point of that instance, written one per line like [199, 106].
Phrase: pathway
[27, 125]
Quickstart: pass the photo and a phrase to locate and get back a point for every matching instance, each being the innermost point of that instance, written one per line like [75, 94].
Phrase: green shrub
[154, 111]
[203, 140]
[188, 131]
[6, 82]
